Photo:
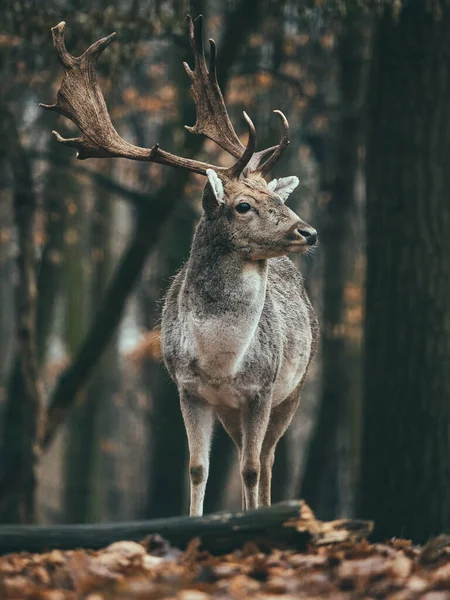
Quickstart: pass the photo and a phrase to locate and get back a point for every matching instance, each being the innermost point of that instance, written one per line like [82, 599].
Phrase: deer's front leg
[255, 419]
[198, 420]
[280, 419]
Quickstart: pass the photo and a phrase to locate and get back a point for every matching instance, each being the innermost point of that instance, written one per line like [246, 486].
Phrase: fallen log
[287, 524]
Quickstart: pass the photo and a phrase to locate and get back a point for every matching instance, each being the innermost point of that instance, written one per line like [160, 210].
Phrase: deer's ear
[283, 187]
[213, 194]
[216, 184]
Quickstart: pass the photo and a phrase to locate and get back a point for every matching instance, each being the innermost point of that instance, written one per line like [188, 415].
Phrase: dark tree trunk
[103, 414]
[168, 443]
[6, 285]
[87, 486]
[322, 485]
[76, 318]
[406, 468]
[24, 414]
[31, 402]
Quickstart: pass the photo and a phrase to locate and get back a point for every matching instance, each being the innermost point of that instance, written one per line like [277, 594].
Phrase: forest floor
[153, 569]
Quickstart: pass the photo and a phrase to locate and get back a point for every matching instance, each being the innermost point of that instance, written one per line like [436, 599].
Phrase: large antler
[81, 100]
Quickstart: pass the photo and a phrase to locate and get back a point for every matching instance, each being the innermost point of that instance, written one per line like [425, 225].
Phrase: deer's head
[251, 210]
[253, 216]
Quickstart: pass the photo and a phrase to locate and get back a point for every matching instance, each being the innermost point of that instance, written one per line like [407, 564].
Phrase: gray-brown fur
[236, 322]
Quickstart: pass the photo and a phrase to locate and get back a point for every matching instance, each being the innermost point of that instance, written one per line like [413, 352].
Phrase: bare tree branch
[137, 197]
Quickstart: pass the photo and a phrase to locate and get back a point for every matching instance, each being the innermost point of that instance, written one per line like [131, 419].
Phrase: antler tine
[92, 54]
[196, 41]
[256, 159]
[235, 171]
[212, 59]
[65, 58]
[284, 142]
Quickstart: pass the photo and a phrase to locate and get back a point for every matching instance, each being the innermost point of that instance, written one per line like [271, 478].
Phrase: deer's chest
[227, 361]
[217, 347]
[224, 372]
[219, 341]
[221, 361]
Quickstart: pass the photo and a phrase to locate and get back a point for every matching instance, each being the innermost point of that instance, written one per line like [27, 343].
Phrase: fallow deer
[238, 330]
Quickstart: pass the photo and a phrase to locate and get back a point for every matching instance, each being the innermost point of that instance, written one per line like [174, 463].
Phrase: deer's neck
[223, 297]
[219, 280]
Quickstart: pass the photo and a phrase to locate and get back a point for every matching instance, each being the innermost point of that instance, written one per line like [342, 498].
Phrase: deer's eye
[243, 207]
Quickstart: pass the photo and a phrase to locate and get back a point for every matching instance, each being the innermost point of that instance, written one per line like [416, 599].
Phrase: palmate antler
[81, 100]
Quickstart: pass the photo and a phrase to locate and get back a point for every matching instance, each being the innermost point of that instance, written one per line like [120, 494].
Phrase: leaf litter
[396, 570]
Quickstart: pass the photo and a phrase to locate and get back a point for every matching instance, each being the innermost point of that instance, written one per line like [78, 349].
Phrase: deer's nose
[310, 235]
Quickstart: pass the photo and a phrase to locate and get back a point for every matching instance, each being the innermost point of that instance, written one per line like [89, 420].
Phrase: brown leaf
[434, 548]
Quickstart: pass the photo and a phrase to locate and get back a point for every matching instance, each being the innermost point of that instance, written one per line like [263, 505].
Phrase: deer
[238, 331]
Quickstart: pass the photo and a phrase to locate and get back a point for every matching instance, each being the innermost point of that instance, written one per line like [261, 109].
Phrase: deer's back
[278, 354]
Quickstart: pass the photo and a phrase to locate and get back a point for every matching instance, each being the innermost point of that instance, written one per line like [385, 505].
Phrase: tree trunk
[76, 318]
[168, 443]
[286, 525]
[322, 485]
[6, 286]
[406, 470]
[102, 413]
[23, 423]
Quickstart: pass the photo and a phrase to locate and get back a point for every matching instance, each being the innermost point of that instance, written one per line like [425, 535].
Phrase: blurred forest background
[91, 428]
